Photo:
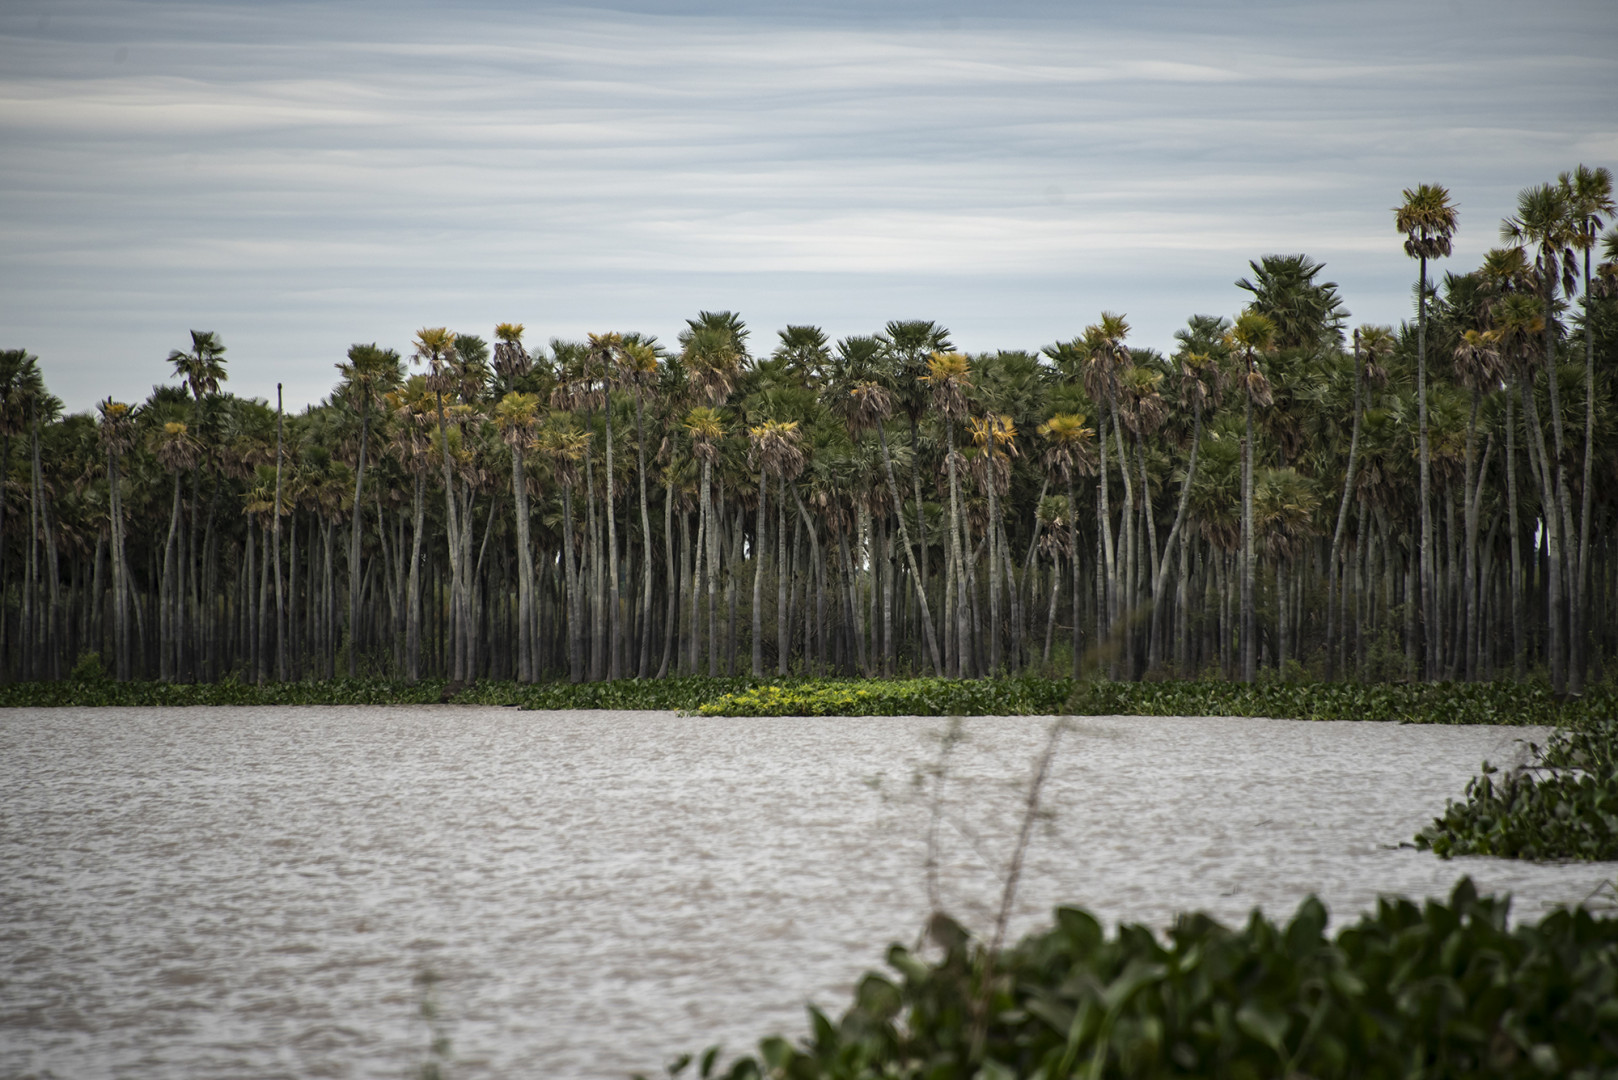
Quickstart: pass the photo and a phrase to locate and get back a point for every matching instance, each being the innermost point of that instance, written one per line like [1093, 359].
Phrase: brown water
[251, 892]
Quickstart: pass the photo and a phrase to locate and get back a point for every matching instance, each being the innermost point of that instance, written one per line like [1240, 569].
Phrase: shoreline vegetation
[1284, 496]
[1507, 702]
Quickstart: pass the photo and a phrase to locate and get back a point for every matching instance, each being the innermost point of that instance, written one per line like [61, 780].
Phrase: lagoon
[254, 891]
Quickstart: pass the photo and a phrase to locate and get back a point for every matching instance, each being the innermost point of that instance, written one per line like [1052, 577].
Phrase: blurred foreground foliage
[1439, 990]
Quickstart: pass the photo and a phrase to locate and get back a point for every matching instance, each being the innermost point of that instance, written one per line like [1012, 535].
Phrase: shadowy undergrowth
[1444, 989]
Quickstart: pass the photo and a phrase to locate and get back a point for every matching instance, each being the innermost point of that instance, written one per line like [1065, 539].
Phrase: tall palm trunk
[354, 545]
[1073, 554]
[910, 555]
[1154, 558]
[597, 579]
[1564, 609]
[992, 543]
[615, 650]
[1540, 465]
[1333, 562]
[733, 561]
[1124, 590]
[962, 665]
[1581, 614]
[418, 515]
[1160, 573]
[1108, 547]
[758, 576]
[810, 579]
[921, 515]
[1249, 628]
[120, 591]
[280, 608]
[643, 667]
[694, 607]
[526, 666]
[570, 578]
[1429, 622]
[452, 537]
[168, 633]
[1050, 617]
[712, 567]
[1468, 596]
[671, 584]
[47, 536]
[1519, 646]
[1182, 653]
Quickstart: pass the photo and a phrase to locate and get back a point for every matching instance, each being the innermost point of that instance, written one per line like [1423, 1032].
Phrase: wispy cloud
[301, 176]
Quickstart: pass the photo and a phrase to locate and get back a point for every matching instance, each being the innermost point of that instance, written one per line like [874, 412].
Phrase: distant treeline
[1284, 494]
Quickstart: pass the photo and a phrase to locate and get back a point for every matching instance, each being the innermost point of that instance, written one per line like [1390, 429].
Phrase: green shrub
[88, 669]
[1441, 990]
[1418, 703]
[895, 697]
[1564, 805]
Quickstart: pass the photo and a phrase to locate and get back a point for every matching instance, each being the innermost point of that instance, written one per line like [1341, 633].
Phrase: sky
[299, 177]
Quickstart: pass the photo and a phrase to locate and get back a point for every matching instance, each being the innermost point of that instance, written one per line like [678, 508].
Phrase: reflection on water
[254, 892]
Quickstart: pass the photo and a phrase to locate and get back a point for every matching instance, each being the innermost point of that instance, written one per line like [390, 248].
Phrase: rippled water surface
[252, 892]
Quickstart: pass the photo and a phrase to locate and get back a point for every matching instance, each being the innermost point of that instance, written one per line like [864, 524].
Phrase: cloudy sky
[299, 177]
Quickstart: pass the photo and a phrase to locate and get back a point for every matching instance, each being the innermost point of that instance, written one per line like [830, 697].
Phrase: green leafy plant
[1418, 703]
[1564, 805]
[1443, 989]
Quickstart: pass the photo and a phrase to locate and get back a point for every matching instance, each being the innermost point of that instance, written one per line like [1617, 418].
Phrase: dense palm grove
[1284, 495]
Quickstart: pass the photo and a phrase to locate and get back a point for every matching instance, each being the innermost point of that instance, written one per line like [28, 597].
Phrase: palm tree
[605, 350]
[177, 452]
[1251, 335]
[1105, 357]
[1307, 314]
[1428, 221]
[516, 416]
[369, 373]
[1589, 197]
[996, 440]
[904, 347]
[706, 427]
[948, 378]
[807, 354]
[1518, 322]
[435, 347]
[1071, 451]
[639, 371]
[774, 446]
[566, 447]
[1545, 223]
[713, 348]
[117, 430]
[873, 406]
[203, 367]
[20, 385]
[1370, 344]
[1201, 384]
[1478, 367]
[1285, 504]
